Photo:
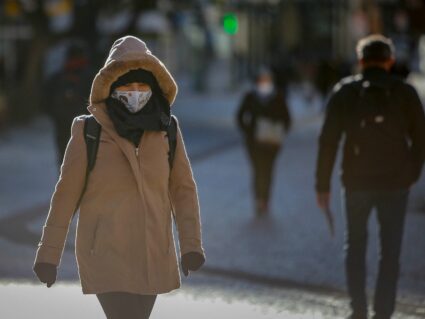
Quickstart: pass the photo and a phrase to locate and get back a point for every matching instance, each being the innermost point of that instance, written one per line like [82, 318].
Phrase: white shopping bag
[269, 132]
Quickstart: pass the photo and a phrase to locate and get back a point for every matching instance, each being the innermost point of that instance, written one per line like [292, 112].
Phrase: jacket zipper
[136, 150]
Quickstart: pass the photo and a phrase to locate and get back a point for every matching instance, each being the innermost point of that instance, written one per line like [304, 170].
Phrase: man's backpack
[92, 130]
[377, 131]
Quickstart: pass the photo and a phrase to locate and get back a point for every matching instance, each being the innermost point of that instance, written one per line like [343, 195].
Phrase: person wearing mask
[382, 121]
[264, 119]
[124, 242]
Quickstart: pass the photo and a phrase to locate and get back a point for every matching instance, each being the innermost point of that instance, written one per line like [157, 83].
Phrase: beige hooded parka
[124, 238]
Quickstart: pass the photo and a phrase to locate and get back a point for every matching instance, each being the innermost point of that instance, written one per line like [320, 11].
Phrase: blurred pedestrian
[124, 243]
[383, 124]
[264, 119]
[65, 94]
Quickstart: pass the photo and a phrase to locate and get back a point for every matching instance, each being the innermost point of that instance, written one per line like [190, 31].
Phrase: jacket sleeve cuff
[188, 245]
[46, 254]
[51, 245]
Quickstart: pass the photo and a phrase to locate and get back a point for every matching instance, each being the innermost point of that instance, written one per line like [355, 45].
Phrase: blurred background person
[65, 94]
[382, 121]
[264, 120]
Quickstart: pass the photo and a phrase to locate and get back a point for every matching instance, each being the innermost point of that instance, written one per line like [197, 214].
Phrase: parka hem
[91, 291]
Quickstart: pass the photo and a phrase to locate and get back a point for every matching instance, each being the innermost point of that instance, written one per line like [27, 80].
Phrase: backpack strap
[172, 140]
[92, 131]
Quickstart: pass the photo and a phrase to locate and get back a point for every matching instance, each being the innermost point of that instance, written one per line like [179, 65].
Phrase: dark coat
[339, 121]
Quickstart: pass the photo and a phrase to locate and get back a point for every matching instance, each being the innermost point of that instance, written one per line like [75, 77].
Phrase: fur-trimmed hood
[130, 53]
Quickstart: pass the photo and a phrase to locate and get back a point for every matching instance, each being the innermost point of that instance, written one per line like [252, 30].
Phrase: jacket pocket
[98, 244]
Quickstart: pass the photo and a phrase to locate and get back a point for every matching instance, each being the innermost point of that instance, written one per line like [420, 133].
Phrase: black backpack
[377, 131]
[92, 130]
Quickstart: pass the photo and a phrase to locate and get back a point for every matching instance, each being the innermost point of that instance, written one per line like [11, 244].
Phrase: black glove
[46, 273]
[192, 261]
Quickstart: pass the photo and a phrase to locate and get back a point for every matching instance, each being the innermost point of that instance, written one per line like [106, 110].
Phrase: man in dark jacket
[383, 123]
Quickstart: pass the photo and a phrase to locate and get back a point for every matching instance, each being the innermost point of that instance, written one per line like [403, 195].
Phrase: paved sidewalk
[201, 296]
[204, 298]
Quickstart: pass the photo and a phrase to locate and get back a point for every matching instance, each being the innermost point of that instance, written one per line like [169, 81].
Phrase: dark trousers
[124, 305]
[262, 158]
[391, 211]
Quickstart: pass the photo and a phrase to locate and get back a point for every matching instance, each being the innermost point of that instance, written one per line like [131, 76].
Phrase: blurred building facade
[300, 39]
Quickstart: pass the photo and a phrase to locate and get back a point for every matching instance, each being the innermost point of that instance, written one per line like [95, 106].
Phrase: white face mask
[134, 101]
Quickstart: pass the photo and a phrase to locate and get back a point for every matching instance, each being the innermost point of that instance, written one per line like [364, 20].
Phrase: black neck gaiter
[131, 126]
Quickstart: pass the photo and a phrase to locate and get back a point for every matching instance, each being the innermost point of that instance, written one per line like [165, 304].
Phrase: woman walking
[264, 119]
[124, 244]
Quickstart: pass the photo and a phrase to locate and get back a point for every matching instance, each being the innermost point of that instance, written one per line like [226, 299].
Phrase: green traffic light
[230, 23]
